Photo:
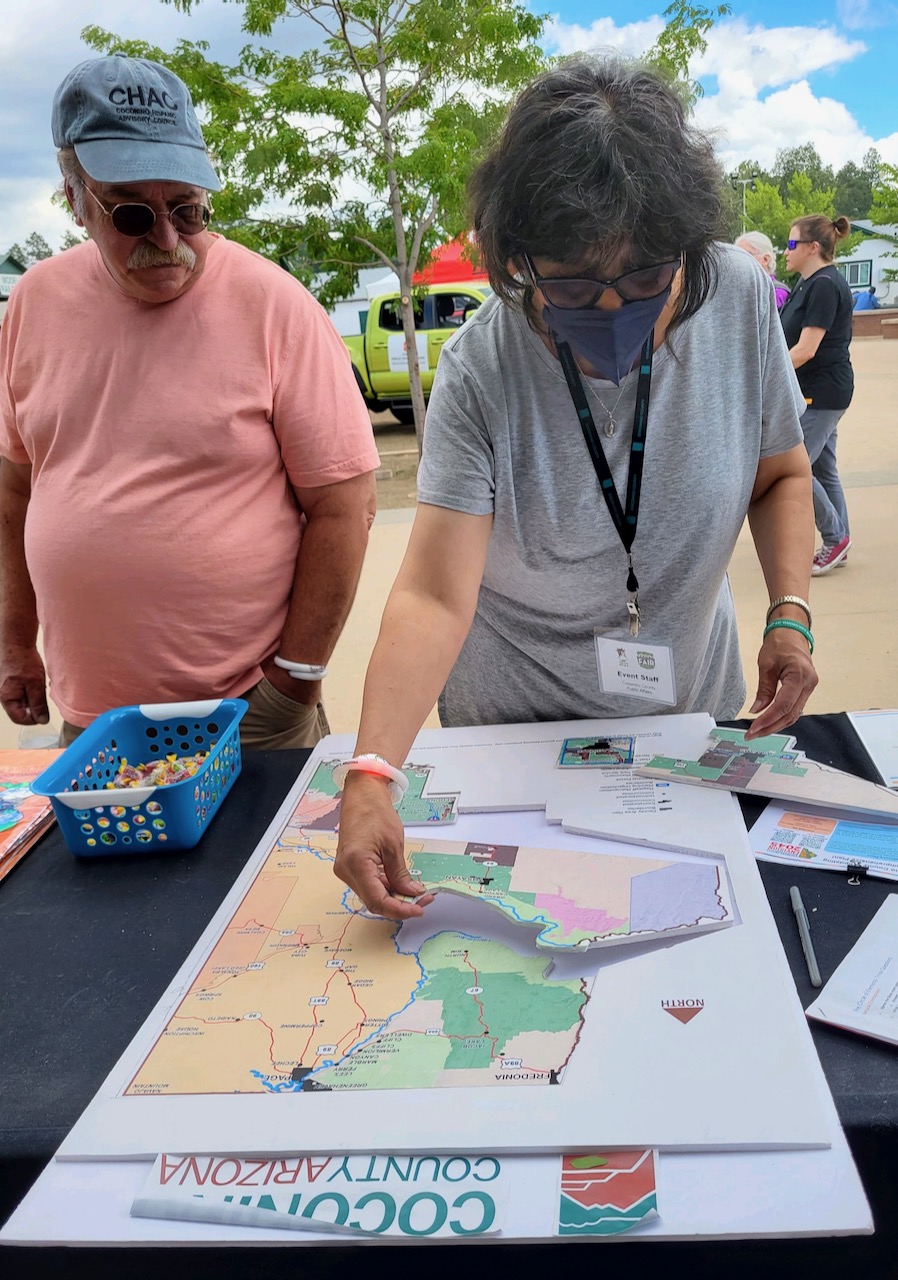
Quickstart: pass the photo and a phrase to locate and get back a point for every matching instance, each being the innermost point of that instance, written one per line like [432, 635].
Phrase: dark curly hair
[597, 156]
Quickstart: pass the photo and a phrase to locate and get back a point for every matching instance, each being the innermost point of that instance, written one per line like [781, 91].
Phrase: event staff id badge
[636, 669]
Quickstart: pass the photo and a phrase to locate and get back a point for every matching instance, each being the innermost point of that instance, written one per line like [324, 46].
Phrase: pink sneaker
[829, 557]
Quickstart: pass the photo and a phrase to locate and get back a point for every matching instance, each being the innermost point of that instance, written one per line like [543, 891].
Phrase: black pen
[804, 932]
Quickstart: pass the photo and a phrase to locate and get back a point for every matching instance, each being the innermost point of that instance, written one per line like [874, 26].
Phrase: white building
[868, 262]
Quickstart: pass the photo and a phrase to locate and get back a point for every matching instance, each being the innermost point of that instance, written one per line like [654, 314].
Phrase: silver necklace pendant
[610, 427]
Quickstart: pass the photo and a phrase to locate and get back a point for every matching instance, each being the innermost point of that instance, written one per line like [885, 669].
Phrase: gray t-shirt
[503, 438]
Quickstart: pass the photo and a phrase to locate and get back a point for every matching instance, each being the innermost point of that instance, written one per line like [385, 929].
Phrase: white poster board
[698, 1045]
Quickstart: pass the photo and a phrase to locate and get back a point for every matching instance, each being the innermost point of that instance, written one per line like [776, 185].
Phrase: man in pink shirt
[187, 477]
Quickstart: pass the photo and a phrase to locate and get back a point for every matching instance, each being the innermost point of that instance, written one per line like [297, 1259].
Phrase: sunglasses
[792, 244]
[138, 220]
[576, 293]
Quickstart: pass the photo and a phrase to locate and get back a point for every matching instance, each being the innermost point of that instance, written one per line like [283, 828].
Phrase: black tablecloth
[87, 947]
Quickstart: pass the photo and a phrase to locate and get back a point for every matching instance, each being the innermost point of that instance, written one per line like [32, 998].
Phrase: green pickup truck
[378, 355]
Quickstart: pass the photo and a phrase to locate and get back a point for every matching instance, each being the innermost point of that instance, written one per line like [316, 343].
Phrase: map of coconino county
[306, 991]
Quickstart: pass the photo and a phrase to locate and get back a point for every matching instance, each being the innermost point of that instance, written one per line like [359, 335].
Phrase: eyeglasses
[791, 244]
[578, 293]
[137, 220]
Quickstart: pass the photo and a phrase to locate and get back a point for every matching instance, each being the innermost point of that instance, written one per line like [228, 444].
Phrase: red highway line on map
[476, 1001]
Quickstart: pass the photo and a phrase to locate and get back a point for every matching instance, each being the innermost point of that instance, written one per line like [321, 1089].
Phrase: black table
[88, 946]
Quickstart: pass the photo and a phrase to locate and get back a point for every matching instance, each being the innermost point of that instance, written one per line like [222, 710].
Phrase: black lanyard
[625, 519]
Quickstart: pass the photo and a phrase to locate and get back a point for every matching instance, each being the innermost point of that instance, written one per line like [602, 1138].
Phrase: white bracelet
[301, 670]
[371, 763]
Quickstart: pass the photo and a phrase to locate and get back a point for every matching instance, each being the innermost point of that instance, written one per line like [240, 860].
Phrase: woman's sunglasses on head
[137, 220]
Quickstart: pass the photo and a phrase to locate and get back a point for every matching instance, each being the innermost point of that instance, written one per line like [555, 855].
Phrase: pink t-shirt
[162, 531]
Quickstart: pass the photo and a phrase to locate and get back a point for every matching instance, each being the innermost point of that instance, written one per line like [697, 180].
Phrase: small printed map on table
[764, 767]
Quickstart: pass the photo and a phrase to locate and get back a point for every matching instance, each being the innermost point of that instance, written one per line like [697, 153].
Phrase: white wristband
[301, 670]
[371, 763]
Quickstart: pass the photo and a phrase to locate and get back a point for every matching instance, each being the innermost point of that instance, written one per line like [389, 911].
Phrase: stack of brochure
[24, 817]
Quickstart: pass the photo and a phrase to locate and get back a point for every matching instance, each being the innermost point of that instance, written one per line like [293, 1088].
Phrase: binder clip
[856, 872]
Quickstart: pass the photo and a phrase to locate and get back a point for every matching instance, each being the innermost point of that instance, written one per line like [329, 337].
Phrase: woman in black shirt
[817, 323]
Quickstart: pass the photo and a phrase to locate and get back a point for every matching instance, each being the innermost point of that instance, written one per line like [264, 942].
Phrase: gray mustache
[148, 255]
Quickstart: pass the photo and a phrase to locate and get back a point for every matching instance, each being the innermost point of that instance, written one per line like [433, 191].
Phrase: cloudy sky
[829, 77]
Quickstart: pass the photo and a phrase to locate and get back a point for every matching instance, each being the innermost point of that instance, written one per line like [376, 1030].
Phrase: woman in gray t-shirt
[596, 436]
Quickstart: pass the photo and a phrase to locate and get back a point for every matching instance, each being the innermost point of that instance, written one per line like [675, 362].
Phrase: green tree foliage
[803, 159]
[854, 191]
[884, 211]
[766, 211]
[34, 249]
[871, 165]
[682, 39]
[396, 102]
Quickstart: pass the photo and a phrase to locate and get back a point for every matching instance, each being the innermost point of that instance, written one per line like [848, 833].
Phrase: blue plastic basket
[96, 819]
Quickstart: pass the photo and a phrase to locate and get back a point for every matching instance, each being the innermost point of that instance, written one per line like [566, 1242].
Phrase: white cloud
[26, 207]
[631, 39]
[767, 57]
[758, 96]
[753, 129]
[857, 14]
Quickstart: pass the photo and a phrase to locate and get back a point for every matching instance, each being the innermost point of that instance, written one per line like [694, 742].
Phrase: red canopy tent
[448, 265]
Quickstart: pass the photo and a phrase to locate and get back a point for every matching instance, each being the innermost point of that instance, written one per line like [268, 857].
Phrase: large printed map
[305, 991]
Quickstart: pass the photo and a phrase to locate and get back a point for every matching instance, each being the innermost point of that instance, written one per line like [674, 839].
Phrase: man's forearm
[327, 575]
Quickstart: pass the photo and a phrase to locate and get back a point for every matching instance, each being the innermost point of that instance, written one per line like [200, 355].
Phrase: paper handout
[831, 841]
[862, 994]
[878, 731]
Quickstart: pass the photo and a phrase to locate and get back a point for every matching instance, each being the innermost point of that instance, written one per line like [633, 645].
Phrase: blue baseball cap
[131, 120]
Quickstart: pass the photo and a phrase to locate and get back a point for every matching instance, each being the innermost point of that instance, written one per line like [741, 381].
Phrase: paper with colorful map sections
[764, 767]
[579, 899]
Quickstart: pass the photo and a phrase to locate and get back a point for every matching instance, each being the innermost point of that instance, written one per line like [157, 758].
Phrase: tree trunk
[411, 351]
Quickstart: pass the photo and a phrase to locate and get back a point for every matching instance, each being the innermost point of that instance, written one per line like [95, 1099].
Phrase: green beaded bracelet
[793, 626]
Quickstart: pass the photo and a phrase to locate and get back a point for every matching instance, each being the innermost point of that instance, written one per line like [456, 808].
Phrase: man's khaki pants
[272, 722]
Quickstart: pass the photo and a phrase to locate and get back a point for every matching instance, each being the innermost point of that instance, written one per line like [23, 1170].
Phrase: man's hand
[371, 850]
[786, 679]
[23, 685]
